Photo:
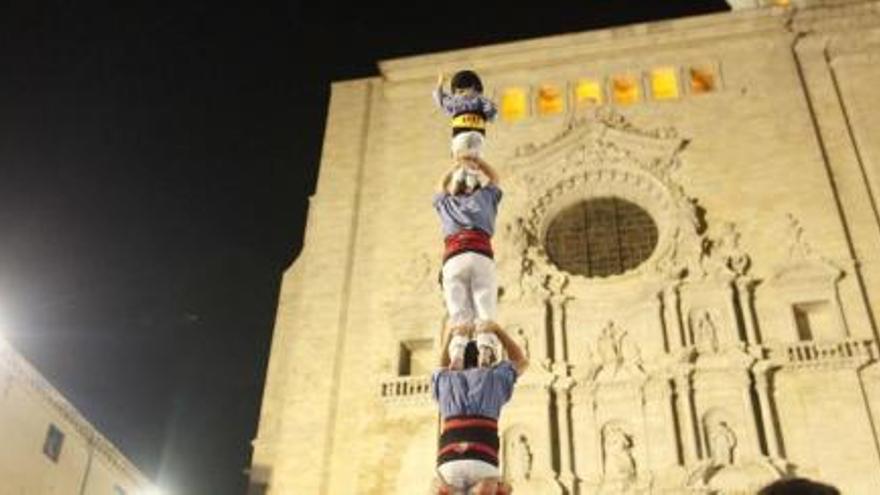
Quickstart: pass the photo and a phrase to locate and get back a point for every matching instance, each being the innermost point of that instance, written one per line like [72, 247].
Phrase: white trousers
[468, 143]
[463, 474]
[470, 289]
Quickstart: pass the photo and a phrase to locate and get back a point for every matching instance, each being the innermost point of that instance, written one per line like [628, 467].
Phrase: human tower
[474, 379]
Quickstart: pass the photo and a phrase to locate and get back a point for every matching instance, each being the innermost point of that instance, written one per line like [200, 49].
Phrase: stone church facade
[688, 249]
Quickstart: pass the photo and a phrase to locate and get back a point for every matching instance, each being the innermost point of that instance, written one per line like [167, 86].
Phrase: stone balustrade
[406, 389]
[854, 352]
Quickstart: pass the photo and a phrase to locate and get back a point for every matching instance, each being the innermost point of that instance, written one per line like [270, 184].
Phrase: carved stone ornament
[723, 257]
[520, 335]
[614, 356]
[799, 249]
[602, 155]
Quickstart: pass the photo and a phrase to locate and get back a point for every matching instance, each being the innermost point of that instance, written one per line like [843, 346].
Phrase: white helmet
[489, 348]
[457, 345]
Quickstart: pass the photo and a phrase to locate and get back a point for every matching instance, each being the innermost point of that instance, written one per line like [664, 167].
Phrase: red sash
[468, 240]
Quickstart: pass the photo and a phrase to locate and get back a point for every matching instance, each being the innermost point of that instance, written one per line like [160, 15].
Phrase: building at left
[48, 447]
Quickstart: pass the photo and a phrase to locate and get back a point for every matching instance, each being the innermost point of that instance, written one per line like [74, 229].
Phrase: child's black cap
[467, 79]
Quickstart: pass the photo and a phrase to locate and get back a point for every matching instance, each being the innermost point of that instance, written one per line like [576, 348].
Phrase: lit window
[587, 92]
[514, 104]
[782, 3]
[625, 89]
[52, 444]
[664, 84]
[702, 80]
[550, 100]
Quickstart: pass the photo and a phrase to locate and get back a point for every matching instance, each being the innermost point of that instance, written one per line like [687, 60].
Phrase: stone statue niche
[704, 331]
[728, 467]
[526, 464]
[721, 439]
[519, 459]
[618, 463]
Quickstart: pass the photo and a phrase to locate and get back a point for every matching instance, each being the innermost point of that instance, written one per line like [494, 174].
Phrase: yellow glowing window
[551, 100]
[587, 92]
[625, 89]
[514, 104]
[782, 3]
[664, 84]
[702, 80]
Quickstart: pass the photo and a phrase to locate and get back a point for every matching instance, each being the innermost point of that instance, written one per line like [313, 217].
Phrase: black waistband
[458, 130]
[458, 433]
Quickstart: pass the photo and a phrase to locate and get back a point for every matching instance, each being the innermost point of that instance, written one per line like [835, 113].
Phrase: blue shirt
[474, 391]
[472, 211]
[457, 103]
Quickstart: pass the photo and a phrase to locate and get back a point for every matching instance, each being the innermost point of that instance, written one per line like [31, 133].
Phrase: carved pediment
[807, 272]
[617, 137]
[805, 266]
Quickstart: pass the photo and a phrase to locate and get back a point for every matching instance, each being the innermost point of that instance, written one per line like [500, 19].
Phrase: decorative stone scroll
[723, 257]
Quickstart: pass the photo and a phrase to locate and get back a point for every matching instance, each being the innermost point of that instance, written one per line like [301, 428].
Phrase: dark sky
[155, 164]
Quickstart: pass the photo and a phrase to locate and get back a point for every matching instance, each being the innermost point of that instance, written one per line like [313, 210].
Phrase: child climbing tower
[470, 112]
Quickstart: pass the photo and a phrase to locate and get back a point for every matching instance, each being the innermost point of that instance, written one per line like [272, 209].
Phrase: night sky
[155, 165]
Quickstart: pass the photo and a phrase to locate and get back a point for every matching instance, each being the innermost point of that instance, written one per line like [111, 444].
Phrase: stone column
[744, 296]
[672, 318]
[560, 346]
[684, 407]
[762, 374]
[658, 400]
[562, 387]
[749, 411]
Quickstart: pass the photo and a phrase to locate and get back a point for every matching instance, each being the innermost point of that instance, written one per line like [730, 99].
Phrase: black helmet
[467, 79]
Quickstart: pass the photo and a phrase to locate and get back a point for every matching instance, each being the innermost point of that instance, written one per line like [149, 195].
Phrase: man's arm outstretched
[514, 353]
